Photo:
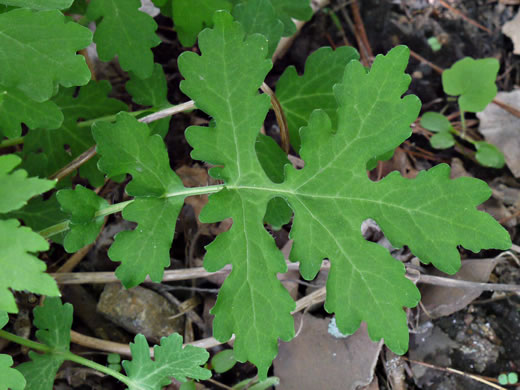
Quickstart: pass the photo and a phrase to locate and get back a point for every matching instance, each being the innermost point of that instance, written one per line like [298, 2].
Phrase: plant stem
[115, 208]
[23, 341]
[99, 367]
[11, 142]
[66, 355]
[463, 124]
[111, 118]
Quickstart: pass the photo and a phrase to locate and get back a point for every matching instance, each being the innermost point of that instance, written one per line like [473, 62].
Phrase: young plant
[341, 119]
[473, 81]
[54, 321]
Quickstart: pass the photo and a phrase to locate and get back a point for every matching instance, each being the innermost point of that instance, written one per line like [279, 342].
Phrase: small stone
[139, 310]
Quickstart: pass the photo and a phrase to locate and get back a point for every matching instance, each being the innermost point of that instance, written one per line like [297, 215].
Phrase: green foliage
[171, 360]
[291, 9]
[39, 4]
[435, 122]
[342, 117]
[372, 119]
[39, 214]
[223, 361]
[301, 95]
[126, 32]
[263, 385]
[91, 102]
[17, 245]
[152, 92]
[24, 33]
[273, 160]
[252, 303]
[15, 187]
[84, 226]
[53, 321]
[489, 155]
[11, 378]
[259, 16]
[127, 147]
[442, 140]
[191, 16]
[16, 108]
[473, 81]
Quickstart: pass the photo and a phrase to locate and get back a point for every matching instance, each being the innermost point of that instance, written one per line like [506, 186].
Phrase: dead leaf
[512, 30]
[440, 301]
[317, 360]
[502, 129]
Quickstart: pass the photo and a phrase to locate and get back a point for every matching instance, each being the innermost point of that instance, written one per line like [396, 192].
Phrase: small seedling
[508, 379]
[473, 81]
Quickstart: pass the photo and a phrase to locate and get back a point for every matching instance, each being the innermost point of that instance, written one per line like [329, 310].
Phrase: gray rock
[140, 310]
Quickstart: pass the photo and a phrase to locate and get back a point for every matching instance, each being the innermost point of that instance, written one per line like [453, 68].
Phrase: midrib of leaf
[121, 26]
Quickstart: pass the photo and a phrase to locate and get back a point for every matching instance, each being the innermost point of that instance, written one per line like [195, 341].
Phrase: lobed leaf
[39, 4]
[224, 82]
[81, 204]
[54, 321]
[331, 197]
[15, 187]
[191, 16]
[473, 81]
[171, 360]
[39, 214]
[21, 270]
[286, 10]
[11, 378]
[127, 147]
[259, 16]
[301, 95]
[16, 108]
[47, 151]
[126, 32]
[152, 91]
[38, 52]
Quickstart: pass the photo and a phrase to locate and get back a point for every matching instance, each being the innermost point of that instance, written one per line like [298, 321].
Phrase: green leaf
[39, 214]
[127, 147]
[489, 155]
[39, 52]
[263, 385]
[152, 91]
[16, 108]
[273, 160]
[54, 321]
[442, 140]
[46, 150]
[286, 10]
[223, 361]
[331, 197]
[11, 378]
[39, 4]
[15, 187]
[82, 205]
[292, 9]
[126, 32]
[301, 95]
[259, 16]
[171, 360]
[435, 122]
[473, 81]
[252, 303]
[21, 270]
[191, 16]
[189, 385]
